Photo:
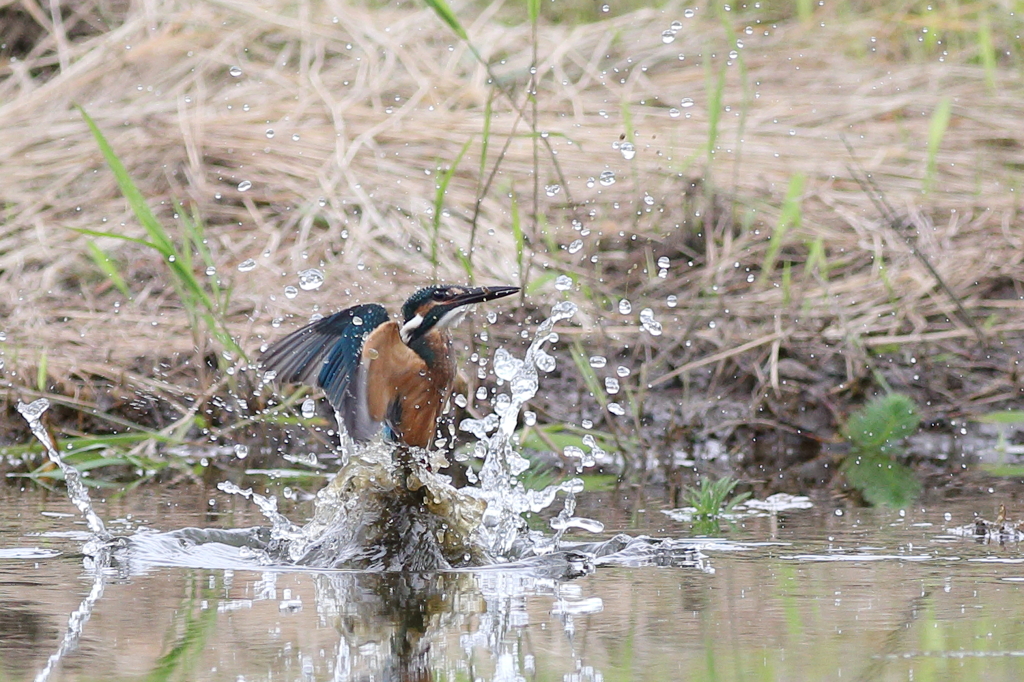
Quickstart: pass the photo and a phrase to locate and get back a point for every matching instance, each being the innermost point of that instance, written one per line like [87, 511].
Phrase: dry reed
[365, 104]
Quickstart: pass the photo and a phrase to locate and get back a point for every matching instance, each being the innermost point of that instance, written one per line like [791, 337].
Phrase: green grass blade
[788, 217]
[804, 11]
[519, 238]
[440, 190]
[42, 372]
[533, 10]
[716, 90]
[936, 131]
[442, 10]
[106, 265]
[131, 192]
[579, 357]
[95, 233]
[987, 52]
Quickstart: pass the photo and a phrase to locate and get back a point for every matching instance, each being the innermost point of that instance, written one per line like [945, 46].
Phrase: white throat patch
[409, 327]
[453, 317]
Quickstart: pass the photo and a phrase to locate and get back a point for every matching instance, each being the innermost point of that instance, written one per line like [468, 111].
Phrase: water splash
[391, 508]
[503, 531]
[33, 414]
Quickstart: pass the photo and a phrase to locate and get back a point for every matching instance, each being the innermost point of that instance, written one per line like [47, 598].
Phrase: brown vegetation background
[369, 103]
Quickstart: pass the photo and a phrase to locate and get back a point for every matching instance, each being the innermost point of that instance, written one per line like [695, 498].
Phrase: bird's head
[443, 307]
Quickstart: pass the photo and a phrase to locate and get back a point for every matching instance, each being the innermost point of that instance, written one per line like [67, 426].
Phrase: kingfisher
[381, 374]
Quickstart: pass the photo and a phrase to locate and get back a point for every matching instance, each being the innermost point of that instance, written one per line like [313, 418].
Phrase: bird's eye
[444, 294]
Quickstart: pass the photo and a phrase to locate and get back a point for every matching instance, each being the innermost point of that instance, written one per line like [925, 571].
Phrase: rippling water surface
[805, 595]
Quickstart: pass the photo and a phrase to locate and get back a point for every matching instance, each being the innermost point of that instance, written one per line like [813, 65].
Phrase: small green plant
[875, 434]
[205, 302]
[712, 499]
[881, 425]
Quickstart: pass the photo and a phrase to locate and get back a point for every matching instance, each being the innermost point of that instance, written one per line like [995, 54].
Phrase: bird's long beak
[481, 294]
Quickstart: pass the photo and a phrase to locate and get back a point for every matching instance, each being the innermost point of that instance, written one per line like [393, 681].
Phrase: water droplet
[270, 133]
[750, 277]
[616, 409]
[628, 150]
[575, 246]
[688, 13]
[506, 366]
[587, 424]
[664, 262]
[552, 190]
[606, 8]
[676, 26]
[625, 307]
[733, 54]
[792, 131]
[244, 185]
[649, 200]
[591, 182]
[672, 301]
[235, 71]
[308, 408]
[563, 282]
[310, 279]
[481, 393]
[607, 178]
[529, 417]
[622, 371]
[290, 291]
[492, 317]
[749, 30]
[295, 137]
[611, 384]
[33, 411]
[460, 400]
[668, 36]
[357, 321]
[598, 361]
[544, 361]
[686, 102]
[674, 113]
[211, 271]
[650, 324]
[241, 451]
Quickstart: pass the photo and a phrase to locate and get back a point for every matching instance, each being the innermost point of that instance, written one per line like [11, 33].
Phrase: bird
[382, 375]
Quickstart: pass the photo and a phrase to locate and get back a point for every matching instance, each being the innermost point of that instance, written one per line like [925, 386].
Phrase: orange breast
[398, 377]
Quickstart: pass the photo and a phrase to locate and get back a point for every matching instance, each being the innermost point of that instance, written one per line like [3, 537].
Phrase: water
[806, 595]
[397, 575]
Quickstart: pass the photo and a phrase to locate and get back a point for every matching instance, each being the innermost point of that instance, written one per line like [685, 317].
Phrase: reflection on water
[810, 596]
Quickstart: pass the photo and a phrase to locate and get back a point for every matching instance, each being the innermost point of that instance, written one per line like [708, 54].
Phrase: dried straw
[366, 104]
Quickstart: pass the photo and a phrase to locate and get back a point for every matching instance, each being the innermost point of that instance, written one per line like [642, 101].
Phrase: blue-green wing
[327, 353]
